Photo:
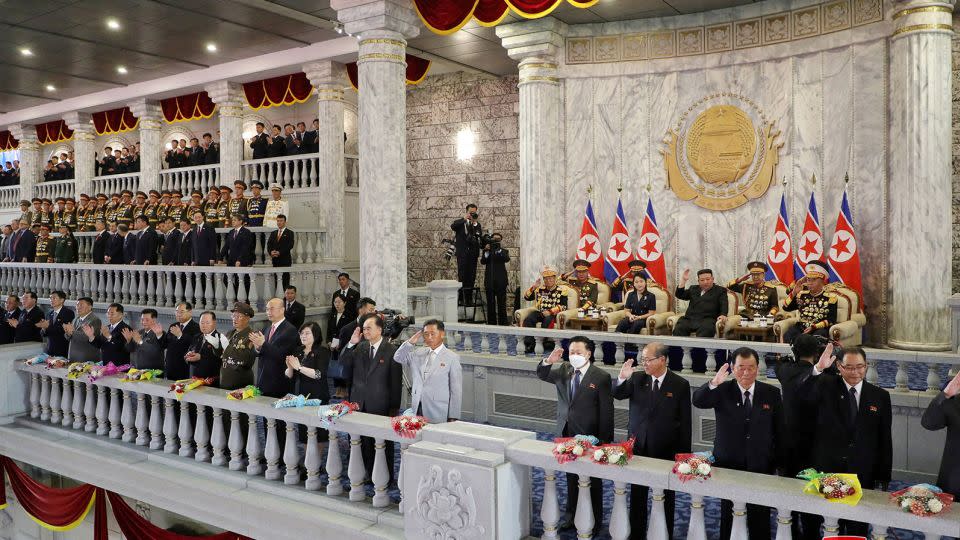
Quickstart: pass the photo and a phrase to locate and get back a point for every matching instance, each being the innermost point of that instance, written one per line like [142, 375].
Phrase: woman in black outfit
[309, 370]
[639, 306]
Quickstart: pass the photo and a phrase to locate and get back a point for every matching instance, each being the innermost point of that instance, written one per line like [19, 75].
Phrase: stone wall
[956, 155]
[439, 185]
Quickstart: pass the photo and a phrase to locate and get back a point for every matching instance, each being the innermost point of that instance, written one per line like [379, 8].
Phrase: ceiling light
[211, 47]
[113, 24]
[50, 88]
[121, 70]
[26, 52]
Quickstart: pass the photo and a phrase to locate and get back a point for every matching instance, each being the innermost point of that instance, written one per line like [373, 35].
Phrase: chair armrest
[780, 327]
[859, 318]
[564, 315]
[612, 306]
[724, 329]
[657, 323]
[613, 318]
[845, 331]
[522, 313]
[672, 321]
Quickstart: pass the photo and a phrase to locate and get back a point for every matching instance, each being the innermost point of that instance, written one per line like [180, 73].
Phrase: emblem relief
[447, 510]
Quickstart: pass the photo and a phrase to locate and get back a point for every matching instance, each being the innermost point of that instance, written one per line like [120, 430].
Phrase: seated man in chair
[549, 299]
[816, 307]
[708, 305]
[759, 298]
[584, 285]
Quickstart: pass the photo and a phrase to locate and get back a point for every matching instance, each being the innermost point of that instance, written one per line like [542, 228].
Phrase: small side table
[754, 333]
[587, 323]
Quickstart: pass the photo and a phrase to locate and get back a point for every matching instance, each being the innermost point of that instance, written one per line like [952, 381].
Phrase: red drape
[188, 107]
[56, 509]
[7, 142]
[417, 69]
[448, 16]
[285, 90]
[134, 527]
[53, 132]
[115, 121]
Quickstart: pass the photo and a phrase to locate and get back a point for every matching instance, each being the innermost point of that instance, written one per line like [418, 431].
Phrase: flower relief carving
[578, 50]
[606, 49]
[719, 38]
[806, 22]
[865, 11]
[448, 510]
[690, 41]
[776, 29]
[661, 44]
[748, 33]
[836, 16]
[634, 46]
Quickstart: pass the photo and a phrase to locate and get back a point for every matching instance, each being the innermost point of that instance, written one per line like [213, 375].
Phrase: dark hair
[704, 271]
[277, 126]
[210, 313]
[343, 274]
[151, 312]
[15, 298]
[143, 218]
[745, 352]
[261, 124]
[290, 288]
[186, 305]
[61, 294]
[315, 330]
[587, 342]
[805, 346]
[281, 216]
[471, 205]
[376, 320]
[194, 139]
[365, 301]
[116, 307]
[31, 294]
[86, 299]
[434, 322]
[205, 135]
[853, 350]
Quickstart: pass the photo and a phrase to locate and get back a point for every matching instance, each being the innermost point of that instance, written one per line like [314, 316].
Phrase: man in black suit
[260, 142]
[944, 412]
[25, 244]
[184, 256]
[278, 145]
[204, 356]
[145, 347]
[129, 240]
[365, 306]
[110, 340]
[290, 140]
[100, 242]
[750, 431]
[25, 327]
[52, 325]
[176, 341]
[238, 247]
[204, 242]
[171, 242]
[309, 139]
[279, 245]
[211, 150]
[294, 311]
[707, 305]
[659, 423]
[10, 312]
[853, 427]
[349, 295]
[495, 259]
[377, 380]
[584, 407]
[278, 340]
[114, 253]
[467, 231]
[147, 241]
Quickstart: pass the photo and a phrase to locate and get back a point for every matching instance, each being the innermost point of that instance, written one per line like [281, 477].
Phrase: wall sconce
[466, 144]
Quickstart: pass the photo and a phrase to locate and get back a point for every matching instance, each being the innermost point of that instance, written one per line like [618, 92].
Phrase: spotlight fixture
[26, 52]
[211, 47]
[113, 24]
[50, 88]
[338, 28]
[122, 70]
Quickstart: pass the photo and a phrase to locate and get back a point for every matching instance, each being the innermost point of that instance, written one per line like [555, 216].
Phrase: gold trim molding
[539, 78]
[383, 41]
[927, 9]
[819, 19]
[381, 56]
[922, 28]
[539, 65]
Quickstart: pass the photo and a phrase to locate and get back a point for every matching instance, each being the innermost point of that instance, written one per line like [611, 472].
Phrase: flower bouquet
[56, 362]
[77, 369]
[295, 401]
[246, 392]
[613, 454]
[181, 387]
[408, 424]
[107, 370]
[36, 360]
[137, 375]
[329, 413]
[834, 487]
[570, 448]
[922, 500]
[698, 465]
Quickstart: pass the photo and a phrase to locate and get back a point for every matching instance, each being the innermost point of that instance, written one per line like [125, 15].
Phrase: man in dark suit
[944, 412]
[750, 431]
[309, 139]
[238, 247]
[176, 341]
[114, 253]
[278, 340]
[171, 243]
[100, 242]
[365, 306]
[211, 150]
[204, 242]
[110, 340]
[853, 427]
[584, 407]
[377, 380]
[467, 231]
[184, 256]
[25, 328]
[81, 350]
[279, 245]
[294, 311]
[204, 356]
[260, 142]
[708, 304]
[147, 241]
[25, 244]
[278, 145]
[10, 312]
[290, 140]
[129, 239]
[659, 423]
[145, 347]
[349, 295]
[52, 325]
[495, 259]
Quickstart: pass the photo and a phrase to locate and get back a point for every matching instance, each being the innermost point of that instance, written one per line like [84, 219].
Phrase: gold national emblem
[717, 157]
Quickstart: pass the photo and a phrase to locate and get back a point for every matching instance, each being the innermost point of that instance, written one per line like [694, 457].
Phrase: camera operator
[495, 259]
[467, 243]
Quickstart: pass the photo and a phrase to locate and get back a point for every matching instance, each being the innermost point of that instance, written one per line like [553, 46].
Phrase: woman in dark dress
[639, 306]
[309, 370]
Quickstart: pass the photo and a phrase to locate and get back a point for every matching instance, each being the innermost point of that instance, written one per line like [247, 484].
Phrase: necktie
[373, 352]
[656, 386]
[426, 365]
[748, 406]
[853, 404]
[270, 334]
[576, 385]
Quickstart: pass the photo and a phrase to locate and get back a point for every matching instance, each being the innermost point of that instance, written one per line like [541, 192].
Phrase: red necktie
[270, 334]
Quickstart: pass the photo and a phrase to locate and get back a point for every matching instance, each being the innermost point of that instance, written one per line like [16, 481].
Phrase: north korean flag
[650, 248]
[844, 261]
[810, 245]
[780, 255]
[619, 249]
[588, 248]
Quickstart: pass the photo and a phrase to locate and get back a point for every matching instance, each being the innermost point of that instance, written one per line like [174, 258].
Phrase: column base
[918, 346]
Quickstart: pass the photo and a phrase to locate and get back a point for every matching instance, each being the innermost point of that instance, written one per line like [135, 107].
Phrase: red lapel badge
[766, 407]
[669, 394]
[593, 386]
[873, 408]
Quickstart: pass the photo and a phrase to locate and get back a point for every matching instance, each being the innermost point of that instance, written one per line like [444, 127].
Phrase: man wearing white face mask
[584, 407]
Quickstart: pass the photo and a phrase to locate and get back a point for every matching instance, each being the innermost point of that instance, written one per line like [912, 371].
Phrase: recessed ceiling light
[113, 24]
[121, 70]
[26, 52]
[211, 47]
[51, 88]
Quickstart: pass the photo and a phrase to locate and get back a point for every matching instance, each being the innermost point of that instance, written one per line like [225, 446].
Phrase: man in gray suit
[435, 373]
[81, 350]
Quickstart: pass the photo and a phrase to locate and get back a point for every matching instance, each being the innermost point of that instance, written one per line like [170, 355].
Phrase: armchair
[603, 299]
[733, 308]
[848, 330]
[572, 301]
[726, 329]
[617, 313]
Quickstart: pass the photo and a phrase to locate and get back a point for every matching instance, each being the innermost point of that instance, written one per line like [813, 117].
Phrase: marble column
[382, 27]
[84, 151]
[536, 44]
[151, 148]
[920, 175]
[329, 79]
[229, 99]
[29, 157]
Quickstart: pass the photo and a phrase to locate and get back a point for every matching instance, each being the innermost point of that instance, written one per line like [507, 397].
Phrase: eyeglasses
[859, 367]
[647, 359]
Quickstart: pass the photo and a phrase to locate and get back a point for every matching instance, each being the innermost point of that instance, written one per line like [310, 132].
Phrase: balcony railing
[52, 190]
[10, 197]
[294, 172]
[115, 183]
[187, 179]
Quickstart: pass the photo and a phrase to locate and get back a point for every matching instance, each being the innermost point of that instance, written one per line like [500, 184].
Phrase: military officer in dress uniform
[124, 212]
[549, 299]
[37, 211]
[140, 207]
[276, 206]
[176, 209]
[152, 209]
[65, 248]
[46, 214]
[44, 245]
[196, 203]
[256, 205]
[69, 215]
[211, 213]
[239, 355]
[163, 207]
[238, 204]
[61, 204]
[625, 282]
[817, 308]
[759, 297]
[223, 207]
[101, 213]
[25, 213]
[110, 209]
[583, 284]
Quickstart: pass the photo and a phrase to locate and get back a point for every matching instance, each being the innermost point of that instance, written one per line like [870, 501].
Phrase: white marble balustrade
[52, 190]
[187, 179]
[10, 197]
[294, 172]
[115, 183]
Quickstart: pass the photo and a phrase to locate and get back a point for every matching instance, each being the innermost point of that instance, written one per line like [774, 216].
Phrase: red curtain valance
[448, 16]
[7, 142]
[416, 71]
[53, 132]
[115, 121]
[285, 90]
[188, 107]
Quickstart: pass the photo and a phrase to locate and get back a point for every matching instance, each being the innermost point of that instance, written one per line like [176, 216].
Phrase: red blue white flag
[619, 249]
[650, 248]
[810, 245]
[588, 248]
[844, 261]
[780, 255]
